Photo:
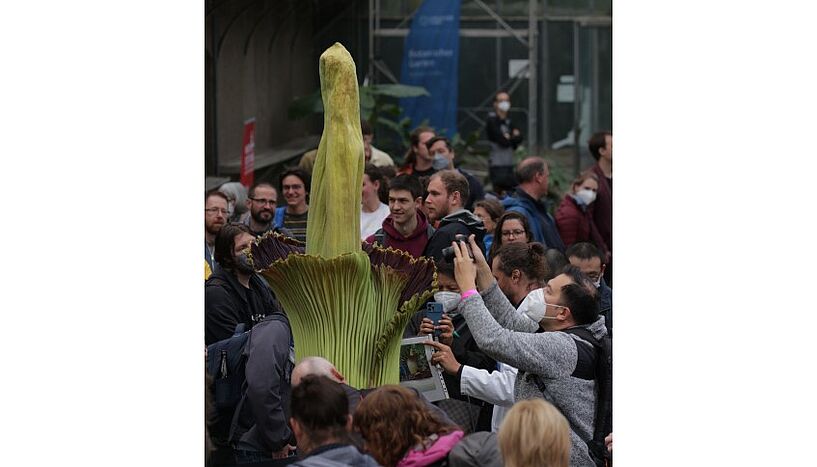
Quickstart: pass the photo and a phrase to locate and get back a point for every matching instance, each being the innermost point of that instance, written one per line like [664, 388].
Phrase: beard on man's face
[263, 215]
[215, 228]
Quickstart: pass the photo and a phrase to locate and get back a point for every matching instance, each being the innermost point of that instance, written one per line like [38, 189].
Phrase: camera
[448, 252]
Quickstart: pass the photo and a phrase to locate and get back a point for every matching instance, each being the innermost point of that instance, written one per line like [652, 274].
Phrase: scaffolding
[532, 39]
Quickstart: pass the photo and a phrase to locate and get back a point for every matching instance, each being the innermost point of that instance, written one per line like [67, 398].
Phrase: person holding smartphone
[471, 413]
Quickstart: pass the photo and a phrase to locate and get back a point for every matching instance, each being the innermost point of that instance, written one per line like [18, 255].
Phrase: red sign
[248, 153]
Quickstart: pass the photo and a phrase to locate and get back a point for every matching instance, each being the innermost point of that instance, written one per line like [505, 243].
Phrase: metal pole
[371, 42]
[214, 97]
[546, 86]
[594, 91]
[577, 92]
[501, 21]
[498, 52]
[532, 78]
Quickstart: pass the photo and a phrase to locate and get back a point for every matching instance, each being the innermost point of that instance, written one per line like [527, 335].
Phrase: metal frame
[527, 37]
[530, 38]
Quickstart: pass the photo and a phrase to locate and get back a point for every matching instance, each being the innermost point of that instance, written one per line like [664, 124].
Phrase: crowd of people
[527, 304]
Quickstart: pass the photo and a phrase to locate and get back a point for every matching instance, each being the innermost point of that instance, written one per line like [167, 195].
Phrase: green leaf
[305, 106]
[367, 101]
[390, 109]
[390, 124]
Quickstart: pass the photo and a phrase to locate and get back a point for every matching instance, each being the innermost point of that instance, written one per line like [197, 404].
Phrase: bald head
[316, 366]
[532, 174]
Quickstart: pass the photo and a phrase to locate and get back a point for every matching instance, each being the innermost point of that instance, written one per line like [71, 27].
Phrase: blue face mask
[440, 162]
[242, 263]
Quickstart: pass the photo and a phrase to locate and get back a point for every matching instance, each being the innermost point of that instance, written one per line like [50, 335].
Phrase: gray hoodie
[511, 338]
[337, 456]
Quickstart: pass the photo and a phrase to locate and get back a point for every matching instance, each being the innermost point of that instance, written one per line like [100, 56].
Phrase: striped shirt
[296, 224]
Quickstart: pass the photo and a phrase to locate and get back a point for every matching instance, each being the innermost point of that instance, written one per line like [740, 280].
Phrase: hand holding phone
[434, 312]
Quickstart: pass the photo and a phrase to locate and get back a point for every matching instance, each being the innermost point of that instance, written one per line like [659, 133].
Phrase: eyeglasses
[216, 211]
[515, 233]
[263, 202]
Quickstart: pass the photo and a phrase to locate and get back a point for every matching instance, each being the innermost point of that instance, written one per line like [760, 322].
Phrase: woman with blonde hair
[399, 430]
[534, 434]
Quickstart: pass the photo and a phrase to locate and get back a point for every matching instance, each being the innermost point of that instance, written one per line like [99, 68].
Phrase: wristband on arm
[468, 293]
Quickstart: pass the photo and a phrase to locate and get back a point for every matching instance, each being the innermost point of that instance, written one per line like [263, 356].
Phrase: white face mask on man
[504, 106]
[534, 306]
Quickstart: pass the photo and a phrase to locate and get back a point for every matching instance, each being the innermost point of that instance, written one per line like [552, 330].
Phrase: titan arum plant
[346, 301]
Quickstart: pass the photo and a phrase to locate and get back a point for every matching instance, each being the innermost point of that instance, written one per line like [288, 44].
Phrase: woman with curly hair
[400, 431]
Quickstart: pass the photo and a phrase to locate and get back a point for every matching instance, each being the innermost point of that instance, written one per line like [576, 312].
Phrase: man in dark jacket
[590, 260]
[533, 175]
[261, 424]
[320, 366]
[406, 228]
[442, 151]
[504, 138]
[322, 421]
[235, 293]
[447, 192]
[601, 148]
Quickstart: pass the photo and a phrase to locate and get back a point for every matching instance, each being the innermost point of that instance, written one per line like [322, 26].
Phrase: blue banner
[431, 59]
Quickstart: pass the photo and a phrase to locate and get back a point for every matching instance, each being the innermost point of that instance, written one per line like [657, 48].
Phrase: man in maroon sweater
[406, 228]
[601, 148]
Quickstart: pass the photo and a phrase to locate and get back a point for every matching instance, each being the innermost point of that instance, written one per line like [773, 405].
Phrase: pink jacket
[437, 451]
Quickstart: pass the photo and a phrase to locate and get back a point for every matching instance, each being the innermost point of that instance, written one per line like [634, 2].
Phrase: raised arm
[551, 354]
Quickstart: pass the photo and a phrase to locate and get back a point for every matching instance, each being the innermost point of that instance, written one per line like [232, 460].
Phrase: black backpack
[603, 375]
[226, 362]
[225, 365]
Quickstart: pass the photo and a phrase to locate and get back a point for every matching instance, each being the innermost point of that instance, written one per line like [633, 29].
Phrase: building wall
[259, 81]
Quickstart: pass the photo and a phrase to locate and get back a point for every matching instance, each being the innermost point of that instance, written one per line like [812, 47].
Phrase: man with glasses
[215, 216]
[261, 202]
[590, 260]
[295, 185]
[532, 174]
[558, 364]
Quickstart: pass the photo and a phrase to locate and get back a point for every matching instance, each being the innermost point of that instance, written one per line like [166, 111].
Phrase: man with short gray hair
[533, 173]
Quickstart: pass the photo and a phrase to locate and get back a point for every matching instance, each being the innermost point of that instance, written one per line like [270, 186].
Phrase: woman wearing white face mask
[471, 413]
[574, 217]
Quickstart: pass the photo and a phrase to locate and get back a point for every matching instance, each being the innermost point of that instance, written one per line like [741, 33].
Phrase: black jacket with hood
[459, 222]
[227, 303]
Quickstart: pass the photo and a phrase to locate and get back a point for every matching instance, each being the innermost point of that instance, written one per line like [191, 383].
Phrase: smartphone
[434, 312]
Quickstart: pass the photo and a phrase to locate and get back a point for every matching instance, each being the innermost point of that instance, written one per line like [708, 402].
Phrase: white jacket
[495, 387]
